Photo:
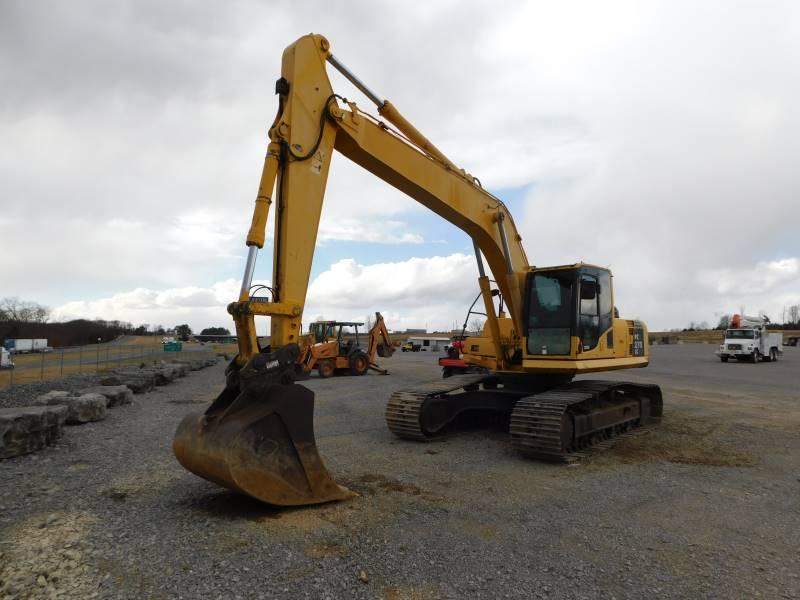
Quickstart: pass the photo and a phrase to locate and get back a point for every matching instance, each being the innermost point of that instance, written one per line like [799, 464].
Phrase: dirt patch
[293, 521]
[684, 440]
[485, 532]
[46, 555]
[150, 481]
[388, 484]
[326, 550]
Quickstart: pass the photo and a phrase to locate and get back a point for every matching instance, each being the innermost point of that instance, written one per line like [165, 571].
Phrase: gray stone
[163, 375]
[182, 368]
[52, 395]
[30, 428]
[116, 395]
[138, 380]
[81, 409]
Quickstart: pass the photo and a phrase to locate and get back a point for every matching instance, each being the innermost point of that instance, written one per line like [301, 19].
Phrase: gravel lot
[708, 505]
[24, 394]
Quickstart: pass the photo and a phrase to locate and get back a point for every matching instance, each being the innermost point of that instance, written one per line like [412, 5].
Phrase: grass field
[97, 358]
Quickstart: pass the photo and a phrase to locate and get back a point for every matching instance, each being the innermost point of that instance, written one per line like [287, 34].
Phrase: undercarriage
[549, 417]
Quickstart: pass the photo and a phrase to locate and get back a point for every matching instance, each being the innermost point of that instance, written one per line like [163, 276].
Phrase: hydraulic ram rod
[379, 102]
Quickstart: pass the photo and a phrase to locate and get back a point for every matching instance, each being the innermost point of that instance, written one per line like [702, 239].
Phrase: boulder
[138, 380]
[181, 368]
[116, 395]
[30, 428]
[163, 375]
[81, 409]
[51, 395]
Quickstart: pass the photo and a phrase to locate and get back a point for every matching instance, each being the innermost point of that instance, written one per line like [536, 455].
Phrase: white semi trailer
[749, 339]
[23, 345]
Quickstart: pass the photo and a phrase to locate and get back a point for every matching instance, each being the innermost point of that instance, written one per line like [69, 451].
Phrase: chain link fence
[99, 358]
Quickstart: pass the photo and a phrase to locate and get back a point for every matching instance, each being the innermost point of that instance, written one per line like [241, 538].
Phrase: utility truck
[748, 339]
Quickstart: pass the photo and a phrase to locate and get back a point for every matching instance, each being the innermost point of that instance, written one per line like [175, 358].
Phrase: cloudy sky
[658, 138]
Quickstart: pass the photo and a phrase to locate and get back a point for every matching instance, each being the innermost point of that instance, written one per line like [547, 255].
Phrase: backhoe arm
[310, 124]
[379, 334]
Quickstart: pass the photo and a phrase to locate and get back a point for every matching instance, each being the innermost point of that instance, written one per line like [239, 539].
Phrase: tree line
[23, 319]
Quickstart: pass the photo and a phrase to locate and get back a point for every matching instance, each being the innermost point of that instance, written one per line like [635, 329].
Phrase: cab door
[595, 307]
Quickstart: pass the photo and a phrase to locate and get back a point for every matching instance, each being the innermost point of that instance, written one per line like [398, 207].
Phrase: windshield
[739, 334]
[551, 312]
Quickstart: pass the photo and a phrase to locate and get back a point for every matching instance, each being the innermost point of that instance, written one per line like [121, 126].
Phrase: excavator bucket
[257, 437]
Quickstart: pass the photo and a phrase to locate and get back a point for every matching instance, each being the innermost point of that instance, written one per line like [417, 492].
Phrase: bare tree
[794, 314]
[476, 325]
[21, 311]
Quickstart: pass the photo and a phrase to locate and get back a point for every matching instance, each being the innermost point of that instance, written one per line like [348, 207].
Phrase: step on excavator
[544, 325]
[334, 348]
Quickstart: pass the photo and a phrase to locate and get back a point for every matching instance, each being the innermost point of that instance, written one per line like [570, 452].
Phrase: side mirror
[589, 289]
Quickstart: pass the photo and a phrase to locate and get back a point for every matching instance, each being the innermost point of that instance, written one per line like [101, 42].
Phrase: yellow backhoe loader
[544, 324]
[334, 350]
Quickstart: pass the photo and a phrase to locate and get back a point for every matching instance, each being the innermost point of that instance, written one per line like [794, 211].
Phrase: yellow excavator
[544, 325]
[334, 347]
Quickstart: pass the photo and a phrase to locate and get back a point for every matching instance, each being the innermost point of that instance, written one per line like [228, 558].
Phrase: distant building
[429, 342]
[423, 331]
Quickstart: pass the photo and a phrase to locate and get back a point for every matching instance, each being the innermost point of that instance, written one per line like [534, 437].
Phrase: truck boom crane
[257, 437]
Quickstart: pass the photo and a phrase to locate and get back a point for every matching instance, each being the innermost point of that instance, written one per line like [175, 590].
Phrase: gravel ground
[705, 506]
[23, 394]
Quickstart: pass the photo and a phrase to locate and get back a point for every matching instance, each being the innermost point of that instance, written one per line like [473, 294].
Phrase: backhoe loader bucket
[257, 437]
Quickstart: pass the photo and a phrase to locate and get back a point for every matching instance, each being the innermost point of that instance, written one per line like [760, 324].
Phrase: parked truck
[748, 339]
[6, 360]
[21, 346]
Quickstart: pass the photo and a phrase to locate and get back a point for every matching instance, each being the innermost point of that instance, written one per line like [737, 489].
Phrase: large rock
[81, 409]
[181, 368]
[30, 428]
[116, 395]
[163, 375]
[138, 380]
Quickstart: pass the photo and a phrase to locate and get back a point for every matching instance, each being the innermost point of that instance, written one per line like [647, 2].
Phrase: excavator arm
[311, 123]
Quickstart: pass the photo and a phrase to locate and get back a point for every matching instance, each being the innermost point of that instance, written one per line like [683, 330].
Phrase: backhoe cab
[551, 323]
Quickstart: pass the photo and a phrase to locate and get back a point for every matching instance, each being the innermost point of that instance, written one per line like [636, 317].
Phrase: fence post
[97, 364]
[80, 360]
[62, 363]
[41, 371]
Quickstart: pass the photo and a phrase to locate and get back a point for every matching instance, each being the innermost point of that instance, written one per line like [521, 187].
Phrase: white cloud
[376, 231]
[760, 279]
[200, 307]
[420, 292]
